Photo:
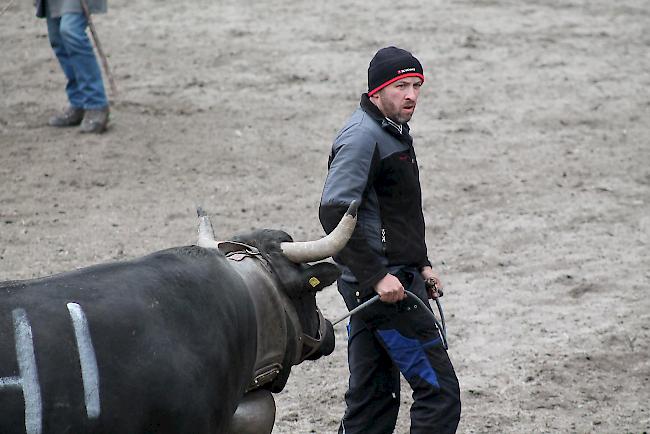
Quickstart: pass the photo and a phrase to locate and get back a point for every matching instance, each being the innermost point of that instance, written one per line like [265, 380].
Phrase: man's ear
[376, 101]
[318, 276]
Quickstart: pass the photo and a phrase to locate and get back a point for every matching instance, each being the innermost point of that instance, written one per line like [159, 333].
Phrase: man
[373, 162]
[66, 29]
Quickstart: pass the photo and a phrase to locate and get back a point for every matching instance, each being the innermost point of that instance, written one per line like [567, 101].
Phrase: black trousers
[386, 339]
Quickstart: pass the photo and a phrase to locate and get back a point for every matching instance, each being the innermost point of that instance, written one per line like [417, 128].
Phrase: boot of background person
[95, 121]
[70, 117]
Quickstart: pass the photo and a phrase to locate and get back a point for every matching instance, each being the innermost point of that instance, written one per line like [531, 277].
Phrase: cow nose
[329, 340]
[327, 343]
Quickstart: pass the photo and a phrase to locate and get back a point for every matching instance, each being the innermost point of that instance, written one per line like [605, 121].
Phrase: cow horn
[310, 251]
[206, 233]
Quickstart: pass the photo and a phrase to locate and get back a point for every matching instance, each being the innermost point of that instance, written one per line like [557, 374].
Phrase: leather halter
[311, 345]
[273, 330]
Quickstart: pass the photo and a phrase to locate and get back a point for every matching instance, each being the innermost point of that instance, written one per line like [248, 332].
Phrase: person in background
[373, 162]
[66, 29]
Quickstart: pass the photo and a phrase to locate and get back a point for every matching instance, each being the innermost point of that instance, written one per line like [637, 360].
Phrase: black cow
[173, 342]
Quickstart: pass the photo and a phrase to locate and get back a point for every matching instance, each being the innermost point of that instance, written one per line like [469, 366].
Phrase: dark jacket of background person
[60, 7]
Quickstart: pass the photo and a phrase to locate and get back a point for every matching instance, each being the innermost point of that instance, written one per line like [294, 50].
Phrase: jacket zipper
[383, 240]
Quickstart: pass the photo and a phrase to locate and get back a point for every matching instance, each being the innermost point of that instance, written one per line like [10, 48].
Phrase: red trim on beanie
[393, 80]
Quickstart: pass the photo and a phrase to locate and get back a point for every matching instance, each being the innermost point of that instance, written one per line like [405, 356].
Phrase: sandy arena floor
[533, 136]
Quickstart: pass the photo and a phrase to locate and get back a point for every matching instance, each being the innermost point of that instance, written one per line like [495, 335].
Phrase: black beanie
[389, 65]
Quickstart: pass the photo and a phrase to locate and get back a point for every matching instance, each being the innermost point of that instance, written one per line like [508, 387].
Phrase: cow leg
[255, 413]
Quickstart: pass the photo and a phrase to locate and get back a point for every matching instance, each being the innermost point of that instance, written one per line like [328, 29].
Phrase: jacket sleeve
[424, 263]
[352, 165]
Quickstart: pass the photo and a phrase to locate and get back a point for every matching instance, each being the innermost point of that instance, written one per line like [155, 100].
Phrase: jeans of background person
[384, 340]
[75, 53]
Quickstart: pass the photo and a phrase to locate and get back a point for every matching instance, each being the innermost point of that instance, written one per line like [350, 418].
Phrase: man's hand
[390, 289]
[433, 283]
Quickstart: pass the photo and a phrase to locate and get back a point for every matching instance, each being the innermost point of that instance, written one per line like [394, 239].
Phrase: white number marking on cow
[87, 359]
[28, 375]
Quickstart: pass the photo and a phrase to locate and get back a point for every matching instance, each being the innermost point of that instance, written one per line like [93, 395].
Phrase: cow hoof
[255, 413]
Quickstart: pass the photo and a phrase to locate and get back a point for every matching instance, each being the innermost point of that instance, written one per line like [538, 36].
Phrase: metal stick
[357, 309]
[442, 328]
[102, 56]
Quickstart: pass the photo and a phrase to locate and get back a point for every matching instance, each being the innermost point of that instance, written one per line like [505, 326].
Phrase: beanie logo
[404, 71]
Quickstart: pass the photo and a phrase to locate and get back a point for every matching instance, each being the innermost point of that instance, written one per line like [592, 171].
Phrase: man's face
[397, 100]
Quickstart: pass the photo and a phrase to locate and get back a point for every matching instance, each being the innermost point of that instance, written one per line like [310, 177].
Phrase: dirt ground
[533, 136]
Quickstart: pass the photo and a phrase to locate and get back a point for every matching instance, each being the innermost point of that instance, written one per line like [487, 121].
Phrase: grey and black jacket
[373, 162]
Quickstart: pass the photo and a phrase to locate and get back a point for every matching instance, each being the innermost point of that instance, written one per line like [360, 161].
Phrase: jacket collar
[401, 131]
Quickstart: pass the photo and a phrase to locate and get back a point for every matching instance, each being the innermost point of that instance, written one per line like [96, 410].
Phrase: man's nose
[412, 93]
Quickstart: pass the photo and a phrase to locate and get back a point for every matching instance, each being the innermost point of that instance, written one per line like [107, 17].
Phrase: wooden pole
[102, 56]
[6, 7]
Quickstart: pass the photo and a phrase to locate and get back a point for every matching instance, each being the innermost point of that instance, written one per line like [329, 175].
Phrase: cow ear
[319, 276]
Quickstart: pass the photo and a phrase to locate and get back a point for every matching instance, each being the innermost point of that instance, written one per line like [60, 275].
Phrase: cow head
[299, 280]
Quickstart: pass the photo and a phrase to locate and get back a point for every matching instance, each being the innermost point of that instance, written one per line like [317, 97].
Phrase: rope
[442, 329]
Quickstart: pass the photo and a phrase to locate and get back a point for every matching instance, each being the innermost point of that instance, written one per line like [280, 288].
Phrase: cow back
[173, 337]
